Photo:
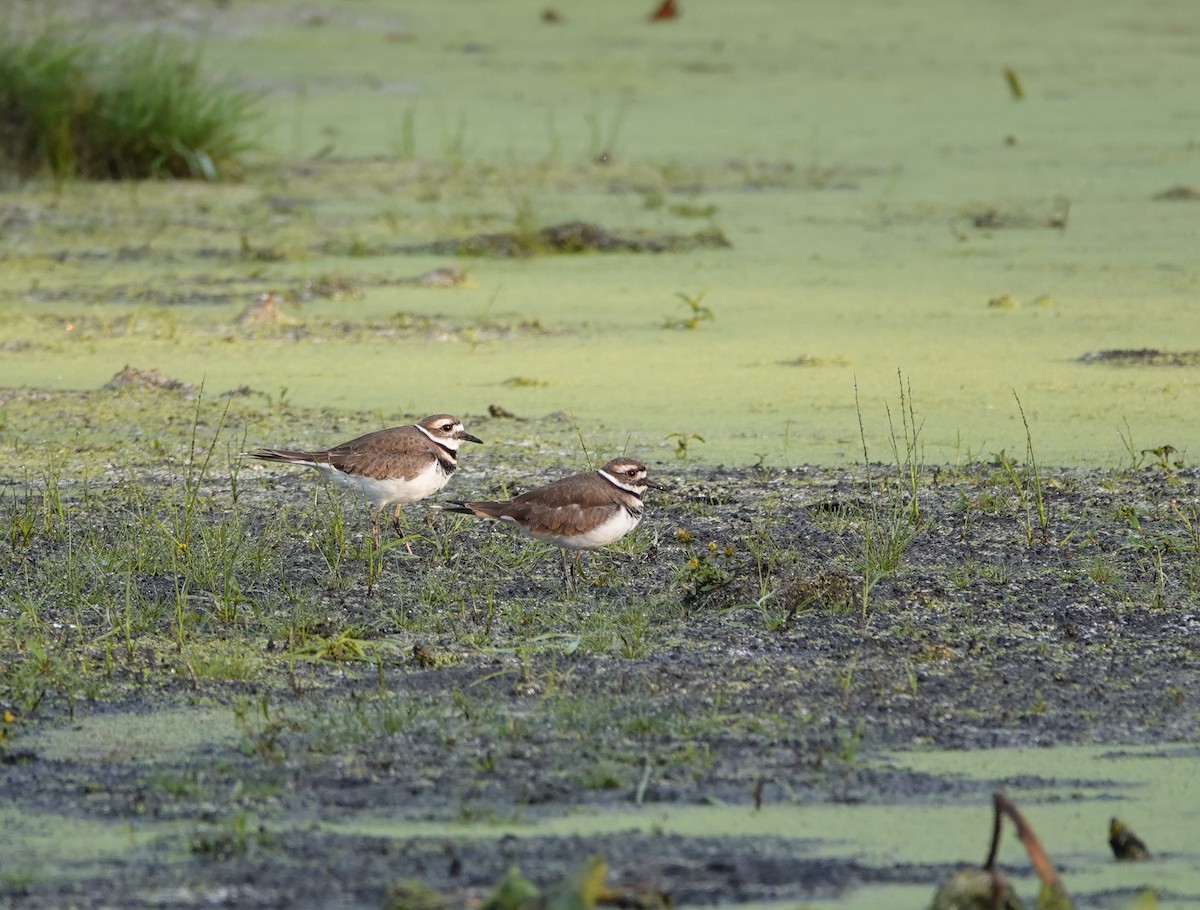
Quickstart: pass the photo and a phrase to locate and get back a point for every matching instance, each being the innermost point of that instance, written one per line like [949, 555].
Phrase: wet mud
[724, 655]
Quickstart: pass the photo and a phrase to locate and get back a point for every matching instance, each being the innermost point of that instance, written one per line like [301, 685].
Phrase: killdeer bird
[388, 467]
[580, 512]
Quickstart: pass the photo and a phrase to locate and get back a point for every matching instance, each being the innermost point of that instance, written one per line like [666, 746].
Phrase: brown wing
[571, 519]
[568, 506]
[394, 452]
[582, 490]
[541, 519]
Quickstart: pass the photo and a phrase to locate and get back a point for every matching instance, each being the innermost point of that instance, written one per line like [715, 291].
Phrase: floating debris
[446, 276]
[665, 11]
[330, 287]
[132, 377]
[568, 237]
[974, 889]
[1153, 357]
[811, 360]
[525, 382]
[501, 412]
[987, 888]
[1180, 194]
[994, 219]
[1014, 84]
[263, 310]
[246, 250]
[1004, 302]
[1126, 846]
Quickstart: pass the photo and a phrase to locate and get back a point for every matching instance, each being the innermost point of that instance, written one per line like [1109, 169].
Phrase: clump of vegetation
[566, 238]
[890, 520]
[83, 106]
[682, 441]
[697, 312]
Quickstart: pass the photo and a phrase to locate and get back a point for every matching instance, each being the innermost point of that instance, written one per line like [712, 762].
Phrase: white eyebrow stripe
[617, 482]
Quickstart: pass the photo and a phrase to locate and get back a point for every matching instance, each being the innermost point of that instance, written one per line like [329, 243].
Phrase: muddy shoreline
[722, 656]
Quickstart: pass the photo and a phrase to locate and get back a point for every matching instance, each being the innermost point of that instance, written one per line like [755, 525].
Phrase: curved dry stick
[1037, 856]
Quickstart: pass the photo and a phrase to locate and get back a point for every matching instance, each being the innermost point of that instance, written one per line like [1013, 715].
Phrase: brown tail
[282, 455]
[478, 509]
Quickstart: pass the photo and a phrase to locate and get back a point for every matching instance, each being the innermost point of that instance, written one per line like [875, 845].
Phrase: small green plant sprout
[682, 441]
[1135, 459]
[697, 312]
[1029, 486]
[404, 146]
[707, 568]
[605, 131]
[1165, 460]
[908, 462]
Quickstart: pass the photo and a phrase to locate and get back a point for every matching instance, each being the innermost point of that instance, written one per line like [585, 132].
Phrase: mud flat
[208, 703]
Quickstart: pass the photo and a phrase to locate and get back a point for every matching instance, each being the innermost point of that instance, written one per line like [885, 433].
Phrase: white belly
[616, 527]
[391, 491]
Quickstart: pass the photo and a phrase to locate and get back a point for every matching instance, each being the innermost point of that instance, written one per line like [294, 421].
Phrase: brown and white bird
[388, 467]
[581, 512]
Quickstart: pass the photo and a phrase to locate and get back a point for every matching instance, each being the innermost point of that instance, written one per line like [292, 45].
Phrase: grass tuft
[76, 105]
[891, 516]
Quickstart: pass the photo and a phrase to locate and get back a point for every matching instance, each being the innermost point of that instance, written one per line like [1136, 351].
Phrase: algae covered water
[889, 206]
[812, 238]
